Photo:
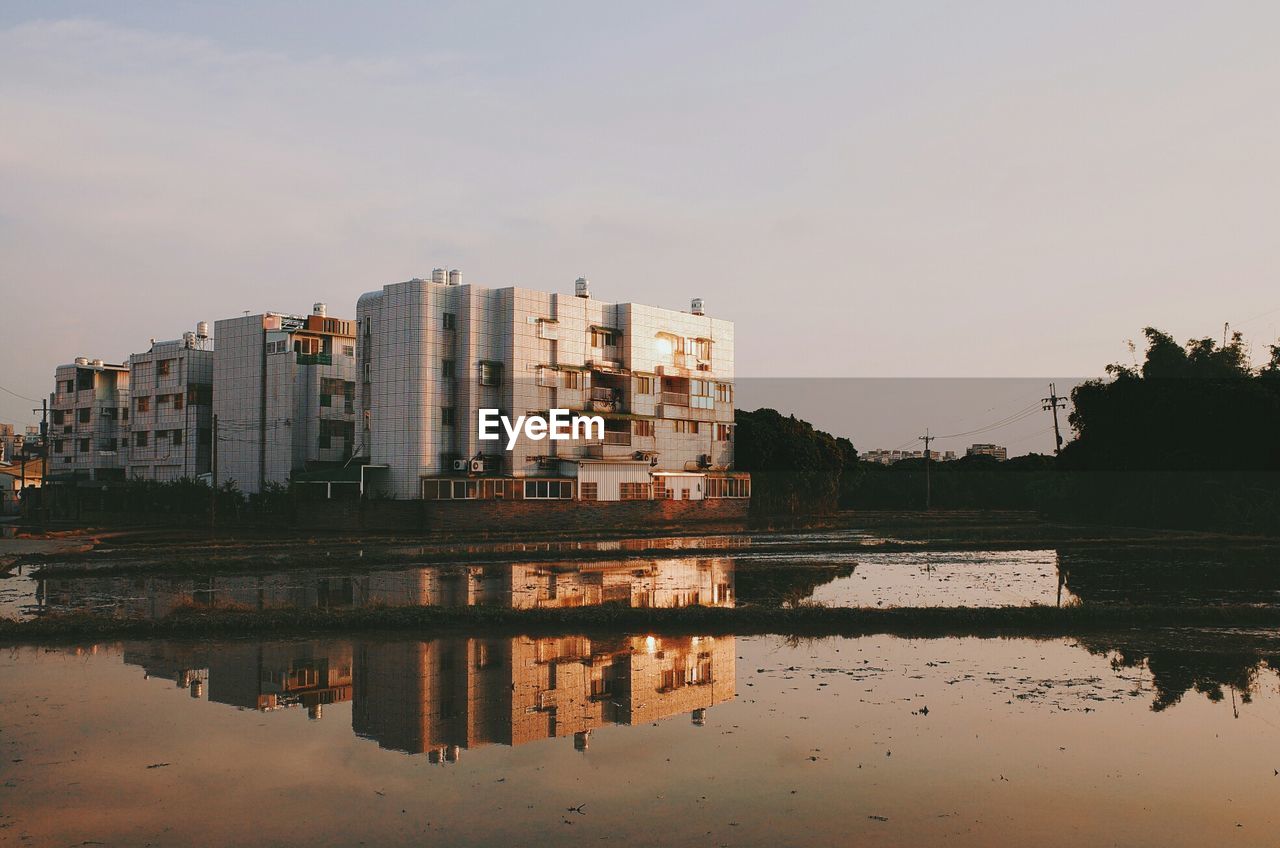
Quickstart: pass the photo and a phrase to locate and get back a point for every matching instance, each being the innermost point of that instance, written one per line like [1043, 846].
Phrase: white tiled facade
[88, 421]
[171, 400]
[283, 395]
[431, 354]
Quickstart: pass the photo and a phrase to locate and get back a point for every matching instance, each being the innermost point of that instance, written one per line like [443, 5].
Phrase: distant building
[88, 421]
[889, 457]
[13, 478]
[284, 395]
[1000, 452]
[171, 390]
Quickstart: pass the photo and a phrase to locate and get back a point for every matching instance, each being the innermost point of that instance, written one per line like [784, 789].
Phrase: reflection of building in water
[276, 675]
[151, 596]
[677, 582]
[447, 695]
[254, 676]
[638, 583]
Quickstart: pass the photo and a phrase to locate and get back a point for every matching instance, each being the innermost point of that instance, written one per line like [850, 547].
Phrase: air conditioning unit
[459, 465]
[704, 460]
[477, 465]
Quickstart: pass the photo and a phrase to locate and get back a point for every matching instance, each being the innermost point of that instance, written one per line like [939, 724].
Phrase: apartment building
[1000, 452]
[889, 457]
[433, 353]
[89, 421]
[284, 395]
[171, 394]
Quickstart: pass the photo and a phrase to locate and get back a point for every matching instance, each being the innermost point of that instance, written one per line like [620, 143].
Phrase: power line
[15, 394]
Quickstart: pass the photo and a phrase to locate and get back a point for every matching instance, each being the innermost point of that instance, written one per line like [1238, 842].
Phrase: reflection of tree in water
[1175, 671]
[1170, 576]
[776, 585]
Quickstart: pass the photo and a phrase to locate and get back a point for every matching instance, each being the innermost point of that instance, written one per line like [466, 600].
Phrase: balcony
[617, 437]
[604, 399]
[315, 359]
[674, 399]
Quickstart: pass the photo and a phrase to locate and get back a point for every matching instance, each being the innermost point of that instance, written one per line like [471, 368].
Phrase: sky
[872, 190]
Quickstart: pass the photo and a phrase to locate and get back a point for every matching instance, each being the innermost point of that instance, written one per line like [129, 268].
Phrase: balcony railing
[675, 398]
[315, 359]
[603, 394]
[617, 437]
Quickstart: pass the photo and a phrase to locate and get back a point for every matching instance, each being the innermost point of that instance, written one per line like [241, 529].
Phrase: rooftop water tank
[82, 360]
[437, 276]
[696, 306]
[582, 287]
[455, 277]
[319, 309]
[202, 330]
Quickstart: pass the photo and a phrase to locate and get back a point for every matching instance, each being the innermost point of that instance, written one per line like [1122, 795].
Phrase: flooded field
[855, 578]
[1166, 738]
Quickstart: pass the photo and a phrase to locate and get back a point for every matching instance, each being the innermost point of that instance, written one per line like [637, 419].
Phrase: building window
[71, 387]
[571, 379]
[724, 393]
[83, 447]
[724, 433]
[331, 428]
[57, 417]
[728, 487]
[82, 415]
[644, 385]
[491, 373]
[700, 394]
[701, 348]
[660, 490]
[163, 367]
[448, 369]
[548, 489]
[590, 491]
[57, 445]
[450, 321]
[140, 439]
[635, 491]
[144, 404]
[176, 438]
[683, 426]
[644, 428]
[448, 416]
[348, 350]
[601, 337]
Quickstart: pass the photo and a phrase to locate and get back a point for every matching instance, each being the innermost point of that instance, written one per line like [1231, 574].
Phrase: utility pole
[1054, 403]
[44, 456]
[213, 478]
[928, 494]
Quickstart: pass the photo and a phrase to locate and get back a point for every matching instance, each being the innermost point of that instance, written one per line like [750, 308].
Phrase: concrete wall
[477, 517]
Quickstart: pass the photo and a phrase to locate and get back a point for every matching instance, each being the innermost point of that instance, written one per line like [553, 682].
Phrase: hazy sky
[882, 189]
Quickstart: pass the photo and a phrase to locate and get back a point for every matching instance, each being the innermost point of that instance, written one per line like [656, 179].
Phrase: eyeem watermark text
[559, 425]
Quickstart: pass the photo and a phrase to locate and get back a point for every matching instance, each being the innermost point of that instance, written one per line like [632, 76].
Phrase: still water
[1162, 739]
[850, 579]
